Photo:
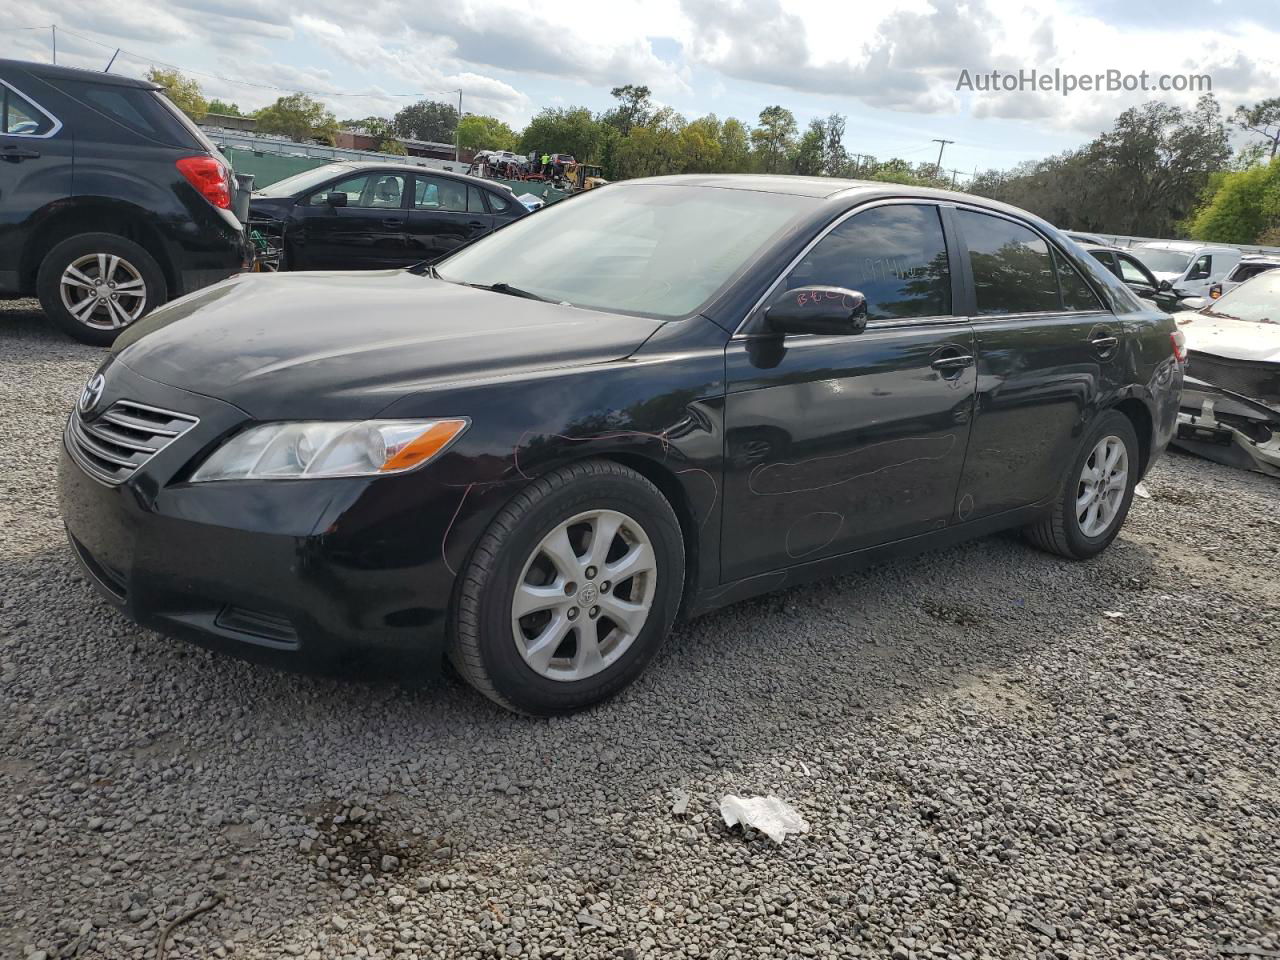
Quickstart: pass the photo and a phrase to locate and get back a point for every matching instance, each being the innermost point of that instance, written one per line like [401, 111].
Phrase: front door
[446, 213]
[367, 233]
[35, 172]
[835, 443]
[1047, 351]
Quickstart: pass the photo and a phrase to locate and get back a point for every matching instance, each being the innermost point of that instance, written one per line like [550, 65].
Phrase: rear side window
[138, 109]
[19, 117]
[894, 255]
[439, 193]
[1013, 271]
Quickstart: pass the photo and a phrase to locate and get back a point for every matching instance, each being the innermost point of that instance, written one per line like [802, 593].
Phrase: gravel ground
[1001, 754]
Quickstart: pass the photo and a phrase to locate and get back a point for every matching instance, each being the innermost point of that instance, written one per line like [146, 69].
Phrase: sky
[892, 69]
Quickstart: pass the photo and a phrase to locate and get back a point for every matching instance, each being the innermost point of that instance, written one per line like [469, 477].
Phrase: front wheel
[1096, 492]
[93, 285]
[571, 590]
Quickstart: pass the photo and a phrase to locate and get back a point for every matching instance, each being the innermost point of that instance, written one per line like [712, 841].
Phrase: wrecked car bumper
[1228, 428]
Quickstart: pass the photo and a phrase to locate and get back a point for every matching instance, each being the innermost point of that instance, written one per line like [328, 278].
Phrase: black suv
[111, 200]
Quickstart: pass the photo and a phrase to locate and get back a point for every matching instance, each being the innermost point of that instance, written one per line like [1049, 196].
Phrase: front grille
[115, 444]
[1259, 381]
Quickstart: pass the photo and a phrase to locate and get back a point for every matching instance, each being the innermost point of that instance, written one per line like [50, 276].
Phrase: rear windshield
[143, 111]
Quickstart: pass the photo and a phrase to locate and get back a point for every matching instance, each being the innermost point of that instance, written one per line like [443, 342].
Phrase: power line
[143, 58]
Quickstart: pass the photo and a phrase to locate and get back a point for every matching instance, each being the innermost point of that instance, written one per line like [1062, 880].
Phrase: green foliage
[775, 139]
[1263, 119]
[183, 92]
[379, 127]
[1142, 178]
[571, 130]
[298, 117]
[1239, 206]
[477, 132]
[394, 146]
[224, 108]
[427, 120]
[633, 110]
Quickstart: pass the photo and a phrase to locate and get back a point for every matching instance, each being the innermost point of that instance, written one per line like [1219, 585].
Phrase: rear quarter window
[134, 108]
[19, 117]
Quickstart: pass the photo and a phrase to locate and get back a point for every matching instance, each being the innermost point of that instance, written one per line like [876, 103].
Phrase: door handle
[477, 224]
[18, 154]
[952, 363]
[392, 222]
[1104, 343]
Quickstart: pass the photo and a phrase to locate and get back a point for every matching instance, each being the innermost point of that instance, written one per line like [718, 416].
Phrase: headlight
[298, 451]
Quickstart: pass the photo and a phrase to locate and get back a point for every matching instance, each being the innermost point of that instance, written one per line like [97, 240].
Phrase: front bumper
[1229, 428]
[304, 569]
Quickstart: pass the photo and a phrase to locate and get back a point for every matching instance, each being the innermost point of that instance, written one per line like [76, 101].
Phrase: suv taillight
[1179, 345]
[210, 177]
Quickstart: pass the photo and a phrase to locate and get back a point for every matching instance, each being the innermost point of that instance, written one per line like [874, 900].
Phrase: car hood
[347, 344]
[1250, 340]
[1165, 275]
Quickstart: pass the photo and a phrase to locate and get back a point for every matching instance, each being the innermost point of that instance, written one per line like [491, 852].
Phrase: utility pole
[942, 145]
[53, 29]
[457, 132]
[954, 174]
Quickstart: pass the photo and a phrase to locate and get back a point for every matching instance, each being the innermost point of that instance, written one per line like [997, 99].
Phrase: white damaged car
[1230, 408]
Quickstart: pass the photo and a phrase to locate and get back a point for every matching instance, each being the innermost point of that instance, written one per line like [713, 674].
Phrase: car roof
[47, 71]
[1186, 246]
[360, 165]
[1108, 247]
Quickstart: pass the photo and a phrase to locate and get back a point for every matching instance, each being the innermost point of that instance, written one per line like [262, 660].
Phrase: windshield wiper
[511, 291]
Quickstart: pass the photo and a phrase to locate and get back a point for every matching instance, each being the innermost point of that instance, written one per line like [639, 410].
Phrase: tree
[735, 146]
[835, 158]
[658, 147]
[633, 110]
[1262, 118]
[427, 120]
[299, 118]
[774, 140]
[184, 93]
[477, 132]
[225, 109]
[379, 127]
[571, 130]
[392, 145]
[806, 159]
[1239, 206]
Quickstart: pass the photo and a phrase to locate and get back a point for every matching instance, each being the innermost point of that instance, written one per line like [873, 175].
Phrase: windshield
[302, 182]
[1162, 261]
[656, 250]
[1257, 299]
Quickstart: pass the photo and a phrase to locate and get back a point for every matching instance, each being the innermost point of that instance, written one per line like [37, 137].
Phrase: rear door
[366, 234]
[1047, 354]
[446, 213]
[35, 171]
[835, 443]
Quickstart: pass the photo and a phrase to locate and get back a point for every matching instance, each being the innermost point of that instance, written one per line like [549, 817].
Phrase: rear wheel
[1096, 492]
[571, 591]
[93, 285]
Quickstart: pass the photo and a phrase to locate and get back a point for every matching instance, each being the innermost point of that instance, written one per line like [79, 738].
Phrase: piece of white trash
[1142, 491]
[1113, 614]
[773, 817]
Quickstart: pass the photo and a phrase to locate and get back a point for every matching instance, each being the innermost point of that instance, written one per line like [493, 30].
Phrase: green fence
[267, 168]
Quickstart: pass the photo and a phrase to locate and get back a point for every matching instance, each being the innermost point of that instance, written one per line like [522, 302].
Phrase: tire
[1061, 531]
[483, 643]
[89, 253]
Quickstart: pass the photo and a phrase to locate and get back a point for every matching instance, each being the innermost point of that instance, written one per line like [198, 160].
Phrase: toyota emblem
[91, 394]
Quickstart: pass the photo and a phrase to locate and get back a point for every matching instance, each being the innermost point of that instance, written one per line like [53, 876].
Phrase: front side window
[894, 255]
[380, 190]
[1201, 269]
[1013, 271]
[1107, 260]
[659, 250]
[1131, 273]
[19, 117]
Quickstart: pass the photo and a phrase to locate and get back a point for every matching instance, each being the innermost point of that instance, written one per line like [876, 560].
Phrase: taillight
[210, 177]
[1179, 345]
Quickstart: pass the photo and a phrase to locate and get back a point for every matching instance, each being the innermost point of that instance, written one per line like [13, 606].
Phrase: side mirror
[1166, 285]
[821, 310]
[336, 199]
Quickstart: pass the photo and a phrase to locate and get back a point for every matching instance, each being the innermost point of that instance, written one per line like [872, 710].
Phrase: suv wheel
[571, 590]
[1096, 492]
[93, 285]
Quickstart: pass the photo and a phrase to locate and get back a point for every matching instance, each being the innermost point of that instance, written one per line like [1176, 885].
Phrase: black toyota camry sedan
[643, 403]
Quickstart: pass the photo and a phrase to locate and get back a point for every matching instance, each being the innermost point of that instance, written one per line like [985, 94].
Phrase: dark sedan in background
[657, 398]
[368, 216]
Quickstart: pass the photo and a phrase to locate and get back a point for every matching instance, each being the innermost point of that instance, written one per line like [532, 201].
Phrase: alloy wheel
[103, 291]
[1102, 486]
[584, 595]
